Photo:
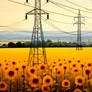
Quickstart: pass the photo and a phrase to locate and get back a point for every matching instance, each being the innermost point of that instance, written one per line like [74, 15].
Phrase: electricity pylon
[79, 23]
[37, 53]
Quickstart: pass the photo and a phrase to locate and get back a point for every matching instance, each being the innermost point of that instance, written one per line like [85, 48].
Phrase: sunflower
[59, 72]
[60, 64]
[0, 64]
[45, 88]
[78, 61]
[82, 65]
[7, 64]
[22, 76]
[79, 80]
[77, 90]
[52, 66]
[54, 62]
[35, 81]
[11, 74]
[65, 67]
[59, 59]
[5, 60]
[17, 69]
[69, 61]
[75, 70]
[64, 59]
[13, 63]
[32, 71]
[87, 72]
[23, 67]
[74, 65]
[3, 86]
[89, 64]
[66, 83]
[43, 67]
[47, 80]
[6, 68]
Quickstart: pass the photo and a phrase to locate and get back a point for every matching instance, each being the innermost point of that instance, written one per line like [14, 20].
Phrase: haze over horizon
[56, 35]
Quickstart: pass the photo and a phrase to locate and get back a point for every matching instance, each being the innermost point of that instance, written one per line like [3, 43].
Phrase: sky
[13, 15]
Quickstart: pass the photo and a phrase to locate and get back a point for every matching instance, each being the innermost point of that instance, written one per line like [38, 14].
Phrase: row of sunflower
[58, 76]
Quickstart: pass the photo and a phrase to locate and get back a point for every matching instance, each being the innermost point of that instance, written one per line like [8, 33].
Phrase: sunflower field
[67, 70]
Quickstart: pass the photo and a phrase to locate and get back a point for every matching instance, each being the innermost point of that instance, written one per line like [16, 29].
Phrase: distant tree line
[48, 43]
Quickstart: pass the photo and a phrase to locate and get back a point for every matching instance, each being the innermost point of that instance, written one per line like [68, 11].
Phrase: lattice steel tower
[79, 23]
[37, 53]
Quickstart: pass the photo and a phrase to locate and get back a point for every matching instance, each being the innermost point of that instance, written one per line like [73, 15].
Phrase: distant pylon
[79, 23]
[37, 53]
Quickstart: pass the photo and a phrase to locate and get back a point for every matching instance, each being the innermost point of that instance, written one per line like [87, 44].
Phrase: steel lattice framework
[79, 23]
[37, 54]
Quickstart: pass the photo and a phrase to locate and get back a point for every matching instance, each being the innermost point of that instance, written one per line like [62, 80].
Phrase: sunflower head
[43, 67]
[77, 90]
[0, 64]
[65, 67]
[75, 70]
[3, 86]
[89, 64]
[54, 62]
[23, 67]
[13, 63]
[35, 81]
[45, 88]
[74, 65]
[59, 59]
[7, 64]
[32, 71]
[11, 74]
[66, 83]
[69, 61]
[17, 69]
[87, 72]
[78, 61]
[60, 64]
[53, 66]
[22, 76]
[6, 68]
[82, 65]
[79, 80]
[59, 72]
[47, 80]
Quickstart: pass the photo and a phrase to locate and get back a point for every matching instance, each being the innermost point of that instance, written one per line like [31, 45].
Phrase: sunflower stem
[23, 82]
[10, 86]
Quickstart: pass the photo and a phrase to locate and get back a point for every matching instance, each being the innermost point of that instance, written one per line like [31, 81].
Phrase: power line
[79, 5]
[59, 21]
[42, 9]
[9, 25]
[16, 22]
[2, 26]
[60, 4]
[20, 3]
[56, 3]
[59, 13]
[51, 11]
[66, 9]
[52, 25]
[46, 10]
